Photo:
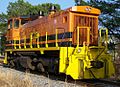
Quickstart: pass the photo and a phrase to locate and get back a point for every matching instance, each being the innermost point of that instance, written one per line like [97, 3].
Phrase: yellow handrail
[31, 40]
[46, 45]
[38, 46]
[19, 44]
[36, 36]
[5, 59]
[105, 37]
[14, 44]
[56, 37]
[25, 42]
[88, 35]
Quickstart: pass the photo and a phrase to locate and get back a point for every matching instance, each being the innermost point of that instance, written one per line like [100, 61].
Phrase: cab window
[10, 24]
[16, 23]
[24, 21]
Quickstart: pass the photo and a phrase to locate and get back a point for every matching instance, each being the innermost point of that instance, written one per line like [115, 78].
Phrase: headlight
[79, 50]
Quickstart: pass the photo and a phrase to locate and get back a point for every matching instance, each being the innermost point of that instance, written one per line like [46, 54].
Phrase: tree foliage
[110, 17]
[21, 7]
[3, 28]
[3, 22]
[18, 8]
[46, 7]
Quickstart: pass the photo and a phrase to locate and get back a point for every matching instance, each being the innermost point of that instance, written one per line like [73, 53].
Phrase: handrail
[88, 35]
[38, 46]
[57, 35]
[36, 36]
[25, 42]
[105, 38]
[5, 59]
[19, 44]
[46, 44]
[31, 37]
[56, 38]
[14, 44]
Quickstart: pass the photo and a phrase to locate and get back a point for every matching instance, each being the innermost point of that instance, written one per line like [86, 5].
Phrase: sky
[63, 3]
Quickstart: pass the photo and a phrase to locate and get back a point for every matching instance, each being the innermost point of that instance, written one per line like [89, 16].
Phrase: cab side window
[65, 19]
[24, 21]
[10, 24]
[16, 23]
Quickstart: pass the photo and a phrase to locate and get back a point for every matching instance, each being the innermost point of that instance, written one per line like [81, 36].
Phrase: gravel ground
[39, 80]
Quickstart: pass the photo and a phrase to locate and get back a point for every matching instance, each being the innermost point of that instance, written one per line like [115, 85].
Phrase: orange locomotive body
[63, 23]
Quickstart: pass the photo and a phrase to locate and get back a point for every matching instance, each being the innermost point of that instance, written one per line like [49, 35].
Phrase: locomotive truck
[66, 41]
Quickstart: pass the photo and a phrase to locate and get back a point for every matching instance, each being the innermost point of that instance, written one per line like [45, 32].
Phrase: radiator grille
[84, 21]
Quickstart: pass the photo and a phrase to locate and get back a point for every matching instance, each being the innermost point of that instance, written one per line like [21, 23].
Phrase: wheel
[17, 65]
[11, 64]
[40, 67]
[56, 71]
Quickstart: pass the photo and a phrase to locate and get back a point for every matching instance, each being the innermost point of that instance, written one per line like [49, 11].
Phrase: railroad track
[85, 83]
[102, 83]
[110, 82]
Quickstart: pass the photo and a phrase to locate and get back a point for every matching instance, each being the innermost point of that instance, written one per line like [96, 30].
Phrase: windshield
[16, 24]
[10, 24]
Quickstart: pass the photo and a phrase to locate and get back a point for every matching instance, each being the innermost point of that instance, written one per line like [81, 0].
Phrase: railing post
[38, 40]
[78, 36]
[31, 40]
[14, 44]
[105, 38]
[5, 59]
[46, 45]
[100, 44]
[19, 44]
[56, 37]
[25, 42]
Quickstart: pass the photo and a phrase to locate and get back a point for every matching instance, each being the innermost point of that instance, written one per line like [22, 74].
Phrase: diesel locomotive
[66, 41]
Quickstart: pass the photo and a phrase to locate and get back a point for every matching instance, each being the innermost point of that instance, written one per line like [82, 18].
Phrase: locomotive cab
[13, 31]
[13, 23]
[14, 26]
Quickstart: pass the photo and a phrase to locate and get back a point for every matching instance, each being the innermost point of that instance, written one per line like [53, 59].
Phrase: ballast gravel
[38, 80]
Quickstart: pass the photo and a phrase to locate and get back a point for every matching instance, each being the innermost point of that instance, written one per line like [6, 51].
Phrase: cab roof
[85, 9]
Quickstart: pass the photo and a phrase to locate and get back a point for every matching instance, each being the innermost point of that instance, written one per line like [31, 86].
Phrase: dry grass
[10, 80]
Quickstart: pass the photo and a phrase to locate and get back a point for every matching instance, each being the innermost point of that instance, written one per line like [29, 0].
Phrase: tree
[3, 28]
[110, 17]
[3, 22]
[21, 7]
[18, 8]
[46, 7]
